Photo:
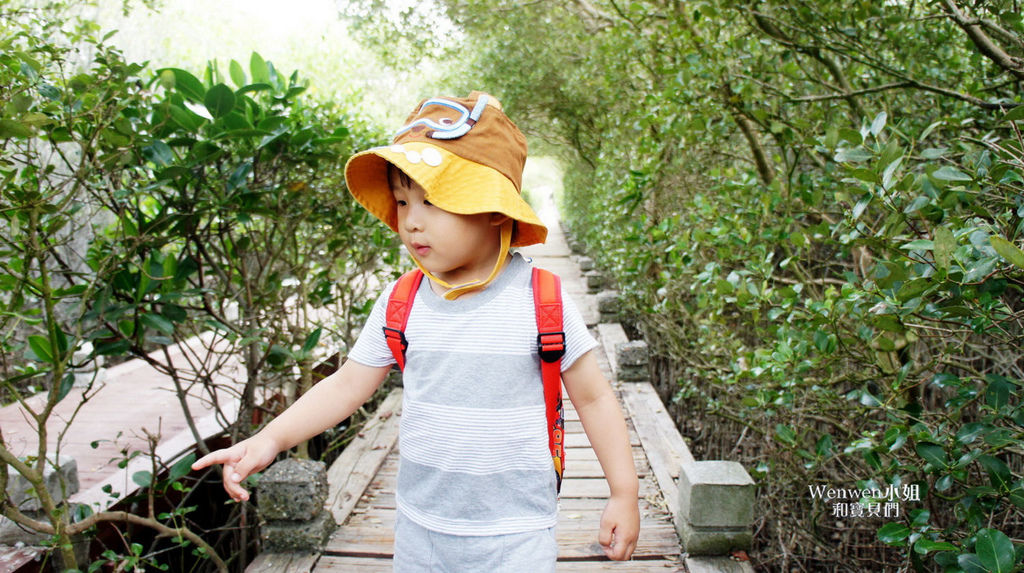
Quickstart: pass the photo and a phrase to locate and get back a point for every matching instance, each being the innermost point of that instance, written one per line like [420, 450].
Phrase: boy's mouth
[420, 249]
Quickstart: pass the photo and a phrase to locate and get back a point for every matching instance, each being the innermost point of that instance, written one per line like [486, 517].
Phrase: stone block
[632, 358]
[716, 507]
[716, 494]
[713, 541]
[282, 536]
[594, 281]
[586, 264]
[60, 478]
[293, 490]
[608, 305]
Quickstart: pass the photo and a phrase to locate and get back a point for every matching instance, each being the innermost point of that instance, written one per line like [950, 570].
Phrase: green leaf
[186, 118]
[919, 245]
[159, 153]
[934, 152]
[932, 453]
[65, 386]
[893, 533]
[950, 173]
[998, 472]
[923, 546]
[995, 550]
[220, 100]
[261, 87]
[41, 347]
[997, 393]
[186, 84]
[10, 128]
[158, 323]
[312, 340]
[1014, 114]
[878, 123]
[970, 563]
[1007, 250]
[785, 434]
[142, 478]
[853, 155]
[237, 73]
[182, 468]
[258, 69]
[945, 245]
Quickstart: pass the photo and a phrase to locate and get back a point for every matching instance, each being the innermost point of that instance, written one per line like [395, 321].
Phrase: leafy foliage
[144, 209]
[813, 211]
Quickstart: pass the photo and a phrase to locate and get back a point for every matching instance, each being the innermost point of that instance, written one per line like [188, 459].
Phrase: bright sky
[304, 35]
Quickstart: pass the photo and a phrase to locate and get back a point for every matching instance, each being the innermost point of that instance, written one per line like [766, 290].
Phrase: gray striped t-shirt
[473, 436]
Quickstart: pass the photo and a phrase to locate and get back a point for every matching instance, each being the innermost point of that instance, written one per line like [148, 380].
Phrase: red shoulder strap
[397, 315]
[547, 300]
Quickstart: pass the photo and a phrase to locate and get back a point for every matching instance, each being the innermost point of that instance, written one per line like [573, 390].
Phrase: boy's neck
[441, 290]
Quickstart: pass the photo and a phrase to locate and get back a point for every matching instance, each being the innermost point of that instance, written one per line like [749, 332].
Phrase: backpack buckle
[396, 335]
[551, 346]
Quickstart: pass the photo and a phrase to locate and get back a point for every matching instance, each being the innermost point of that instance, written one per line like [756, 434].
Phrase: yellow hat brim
[451, 183]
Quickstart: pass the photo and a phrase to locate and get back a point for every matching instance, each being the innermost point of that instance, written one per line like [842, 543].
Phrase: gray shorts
[418, 549]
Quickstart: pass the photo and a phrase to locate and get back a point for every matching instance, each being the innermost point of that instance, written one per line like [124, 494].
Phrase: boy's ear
[498, 219]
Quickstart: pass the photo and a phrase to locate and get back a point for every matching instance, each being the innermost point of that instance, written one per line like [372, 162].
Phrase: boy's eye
[425, 202]
[400, 203]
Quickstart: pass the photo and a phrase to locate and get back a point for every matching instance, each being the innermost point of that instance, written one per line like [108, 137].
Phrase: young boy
[476, 488]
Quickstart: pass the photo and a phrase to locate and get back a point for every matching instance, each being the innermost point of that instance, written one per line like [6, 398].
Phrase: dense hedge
[813, 211]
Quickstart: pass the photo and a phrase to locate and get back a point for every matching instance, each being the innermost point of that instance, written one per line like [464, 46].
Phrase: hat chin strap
[455, 291]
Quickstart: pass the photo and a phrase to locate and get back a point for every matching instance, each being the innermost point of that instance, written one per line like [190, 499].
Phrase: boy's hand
[620, 528]
[240, 461]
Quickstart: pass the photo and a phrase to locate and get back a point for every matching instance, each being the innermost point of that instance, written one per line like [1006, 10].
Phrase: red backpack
[547, 300]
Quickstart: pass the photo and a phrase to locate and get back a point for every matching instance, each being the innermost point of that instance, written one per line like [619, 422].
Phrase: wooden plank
[666, 565]
[283, 563]
[663, 444]
[598, 488]
[336, 564]
[569, 518]
[349, 476]
[573, 543]
[580, 440]
[14, 558]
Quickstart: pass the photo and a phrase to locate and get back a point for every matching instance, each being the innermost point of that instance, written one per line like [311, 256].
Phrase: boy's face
[455, 248]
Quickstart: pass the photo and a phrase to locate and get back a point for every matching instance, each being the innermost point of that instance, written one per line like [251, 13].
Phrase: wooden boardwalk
[362, 481]
[98, 426]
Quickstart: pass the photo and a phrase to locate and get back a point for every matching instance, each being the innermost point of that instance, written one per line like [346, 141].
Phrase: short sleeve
[578, 340]
[370, 348]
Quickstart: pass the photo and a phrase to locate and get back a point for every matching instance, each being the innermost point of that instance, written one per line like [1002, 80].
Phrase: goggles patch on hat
[447, 127]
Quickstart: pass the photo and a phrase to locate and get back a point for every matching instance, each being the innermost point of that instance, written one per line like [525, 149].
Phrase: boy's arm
[326, 404]
[606, 428]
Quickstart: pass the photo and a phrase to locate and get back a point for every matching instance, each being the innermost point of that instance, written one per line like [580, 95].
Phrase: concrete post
[93, 373]
[291, 507]
[61, 480]
[632, 358]
[608, 306]
[716, 507]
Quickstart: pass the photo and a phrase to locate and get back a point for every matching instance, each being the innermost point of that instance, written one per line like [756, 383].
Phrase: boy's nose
[412, 220]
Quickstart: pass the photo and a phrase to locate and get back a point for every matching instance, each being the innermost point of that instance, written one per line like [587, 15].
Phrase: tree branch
[983, 42]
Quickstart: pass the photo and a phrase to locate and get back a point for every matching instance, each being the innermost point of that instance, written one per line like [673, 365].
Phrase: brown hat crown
[496, 142]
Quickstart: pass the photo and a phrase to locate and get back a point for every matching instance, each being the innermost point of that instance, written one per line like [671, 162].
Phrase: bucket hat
[466, 154]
